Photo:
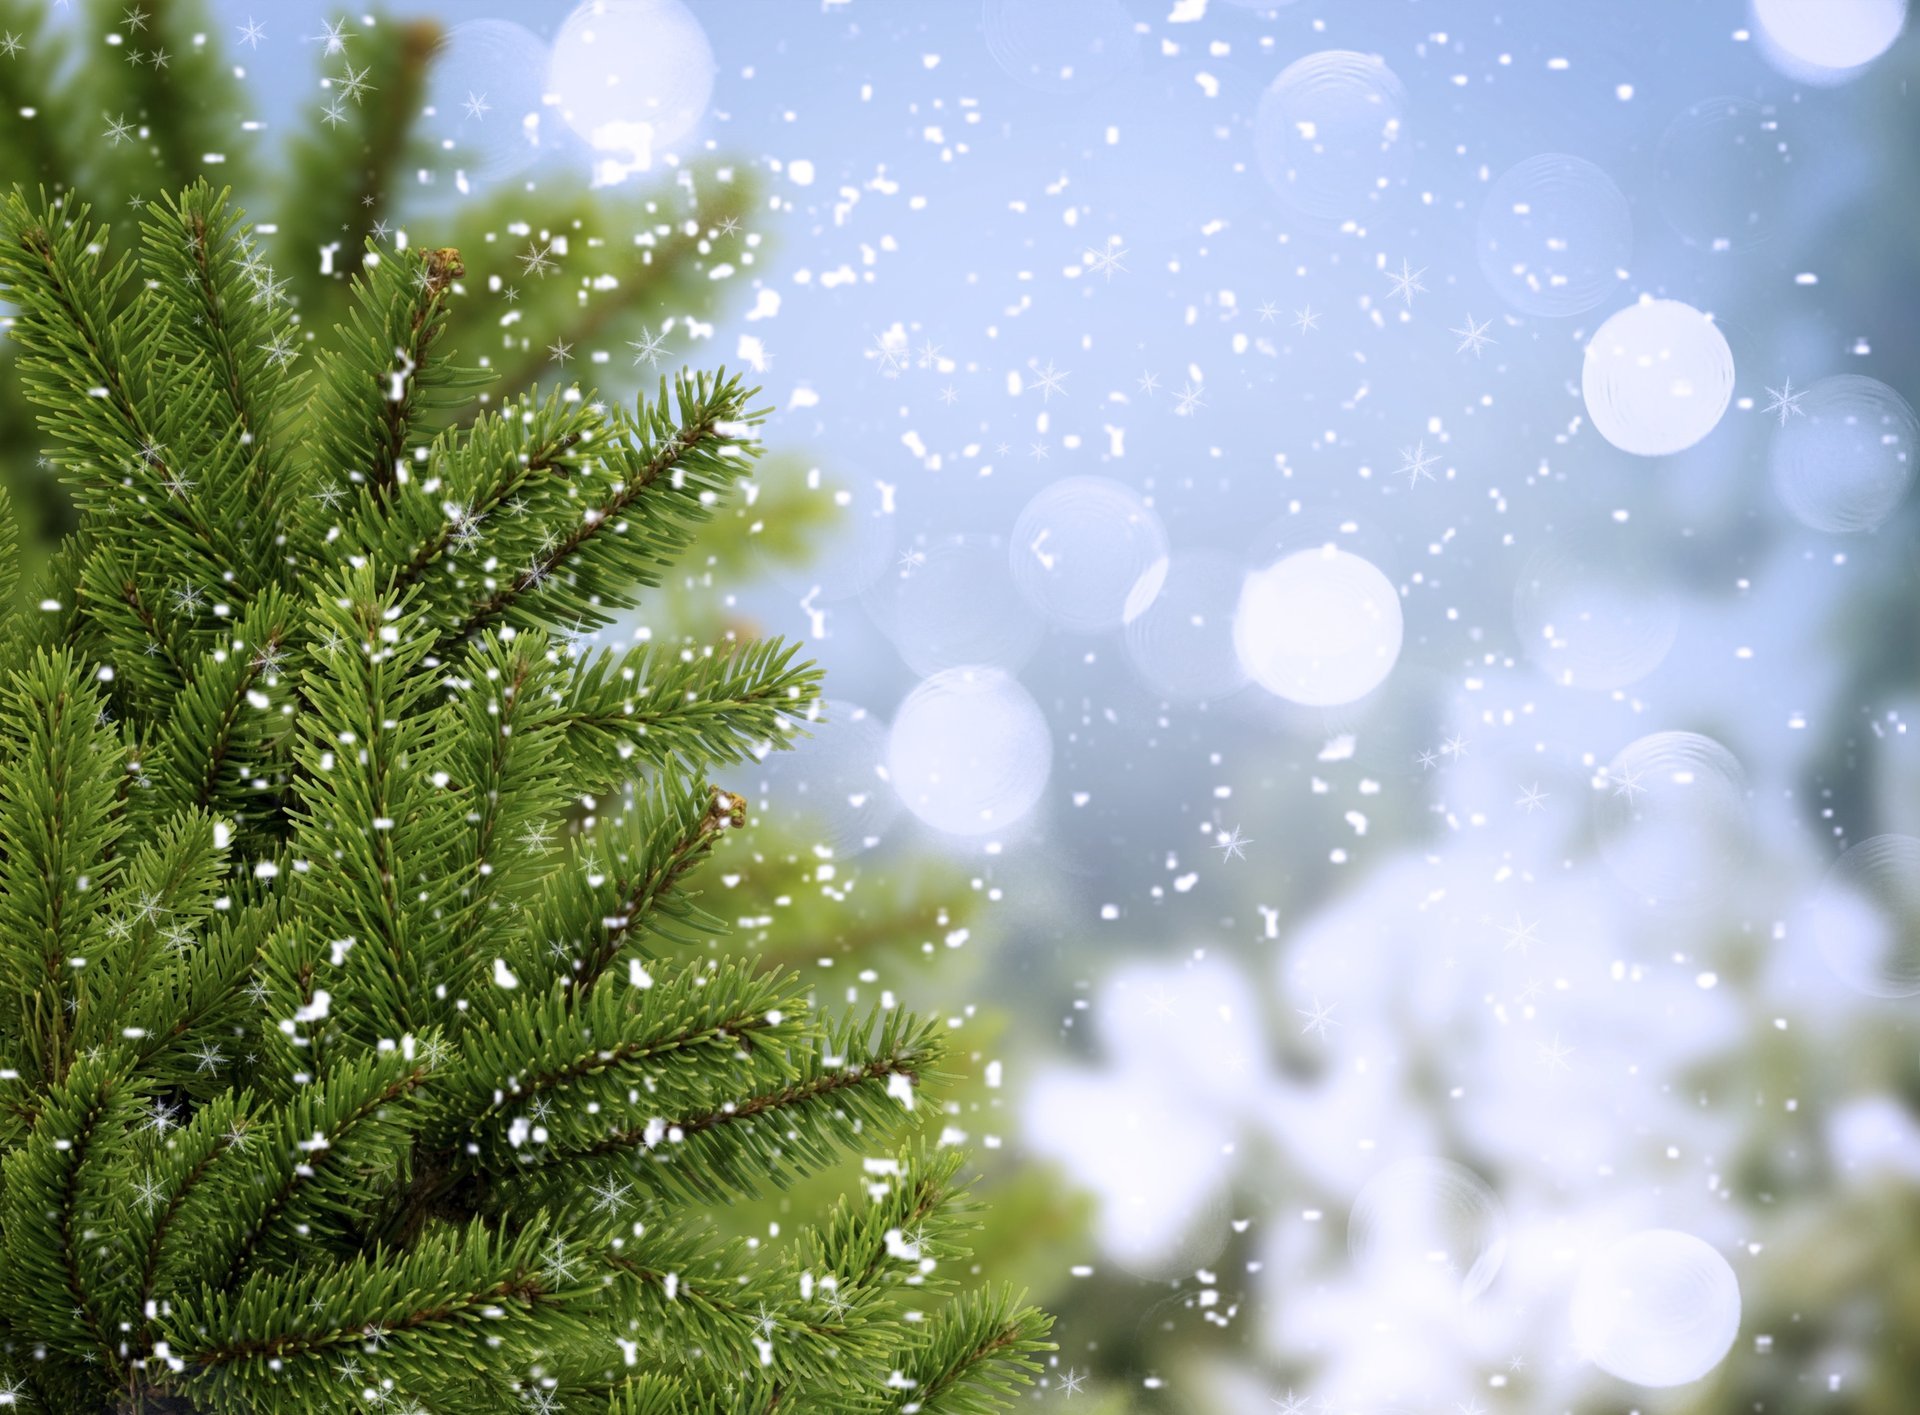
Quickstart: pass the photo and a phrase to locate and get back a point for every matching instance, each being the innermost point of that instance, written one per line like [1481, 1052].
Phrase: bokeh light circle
[1554, 235]
[1329, 133]
[1590, 616]
[1827, 41]
[1427, 1221]
[484, 101]
[1079, 548]
[1843, 459]
[1061, 46]
[969, 752]
[1319, 627]
[1660, 1308]
[1865, 917]
[836, 778]
[1658, 375]
[954, 603]
[1672, 819]
[1179, 621]
[632, 77]
[1723, 168]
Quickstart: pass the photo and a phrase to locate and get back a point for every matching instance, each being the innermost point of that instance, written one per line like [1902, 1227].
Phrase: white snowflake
[1473, 336]
[1107, 262]
[1786, 402]
[1414, 462]
[1048, 381]
[1407, 284]
[335, 36]
[354, 83]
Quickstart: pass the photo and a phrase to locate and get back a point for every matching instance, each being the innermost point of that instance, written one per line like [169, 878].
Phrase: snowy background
[1380, 532]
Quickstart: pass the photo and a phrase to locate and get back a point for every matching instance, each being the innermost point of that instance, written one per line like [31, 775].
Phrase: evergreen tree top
[353, 1052]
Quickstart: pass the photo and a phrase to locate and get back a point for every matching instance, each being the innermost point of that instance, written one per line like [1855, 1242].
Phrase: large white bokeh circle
[1554, 235]
[837, 780]
[1060, 46]
[1660, 1308]
[1658, 375]
[1827, 41]
[1179, 619]
[1080, 547]
[970, 751]
[484, 98]
[1319, 627]
[1865, 916]
[631, 76]
[1844, 457]
[1328, 133]
[1671, 820]
[1428, 1224]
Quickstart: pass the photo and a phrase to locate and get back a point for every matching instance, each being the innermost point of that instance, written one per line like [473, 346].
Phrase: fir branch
[124, 621]
[867, 1259]
[822, 1083]
[51, 1271]
[665, 465]
[56, 269]
[193, 1002]
[97, 371]
[9, 555]
[648, 1394]
[683, 1041]
[625, 881]
[444, 1303]
[853, 1277]
[174, 1170]
[58, 827]
[166, 892]
[306, 1177]
[776, 1339]
[853, 1247]
[221, 332]
[286, 984]
[847, 1081]
[510, 470]
[688, 710]
[502, 721]
[970, 1356]
[223, 730]
[369, 816]
[317, 920]
[384, 393]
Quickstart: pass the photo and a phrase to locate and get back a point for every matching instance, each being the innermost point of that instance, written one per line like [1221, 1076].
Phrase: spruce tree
[353, 1050]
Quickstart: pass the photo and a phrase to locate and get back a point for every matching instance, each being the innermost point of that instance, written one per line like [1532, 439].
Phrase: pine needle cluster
[121, 101]
[358, 1046]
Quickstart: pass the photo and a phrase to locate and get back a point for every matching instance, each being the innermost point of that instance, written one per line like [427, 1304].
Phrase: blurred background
[1365, 561]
